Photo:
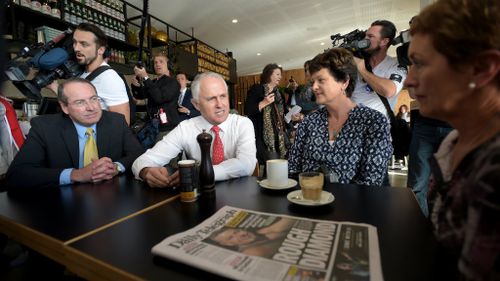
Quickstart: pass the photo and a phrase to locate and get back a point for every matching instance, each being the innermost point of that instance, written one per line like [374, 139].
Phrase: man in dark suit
[185, 107]
[53, 153]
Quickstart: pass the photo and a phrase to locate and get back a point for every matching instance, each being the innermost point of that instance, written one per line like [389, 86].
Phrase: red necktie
[217, 148]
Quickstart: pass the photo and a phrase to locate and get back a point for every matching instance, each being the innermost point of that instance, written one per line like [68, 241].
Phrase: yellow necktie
[90, 148]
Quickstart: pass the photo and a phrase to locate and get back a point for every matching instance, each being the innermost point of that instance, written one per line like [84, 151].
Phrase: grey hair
[195, 85]
[60, 89]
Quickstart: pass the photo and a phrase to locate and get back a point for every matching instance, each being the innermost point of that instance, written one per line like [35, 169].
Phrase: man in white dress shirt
[211, 98]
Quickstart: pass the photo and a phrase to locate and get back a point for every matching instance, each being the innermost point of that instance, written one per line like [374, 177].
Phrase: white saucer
[265, 184]
[296, 197]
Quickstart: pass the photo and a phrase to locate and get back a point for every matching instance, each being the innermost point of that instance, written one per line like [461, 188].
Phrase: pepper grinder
[207, 178]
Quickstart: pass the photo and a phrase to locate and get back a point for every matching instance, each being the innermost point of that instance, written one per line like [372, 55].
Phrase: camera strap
[390, 113]
[384, 100]
[97, 72]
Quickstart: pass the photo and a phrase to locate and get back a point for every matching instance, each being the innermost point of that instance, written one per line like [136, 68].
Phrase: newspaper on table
[249, 245]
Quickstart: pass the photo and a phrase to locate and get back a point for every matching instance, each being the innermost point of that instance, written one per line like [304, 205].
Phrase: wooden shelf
[210, 59]
[32, 19]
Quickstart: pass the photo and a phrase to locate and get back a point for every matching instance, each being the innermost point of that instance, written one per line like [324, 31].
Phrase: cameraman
[386, 76]
[89, 44]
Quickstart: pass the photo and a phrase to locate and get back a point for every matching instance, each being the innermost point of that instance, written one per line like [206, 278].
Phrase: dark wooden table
[47, 219]
[123, 251]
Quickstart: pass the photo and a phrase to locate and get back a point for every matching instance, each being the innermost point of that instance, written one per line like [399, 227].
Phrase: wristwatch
[119, 168]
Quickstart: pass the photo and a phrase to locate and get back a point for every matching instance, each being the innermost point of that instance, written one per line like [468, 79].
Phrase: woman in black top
[265, 107]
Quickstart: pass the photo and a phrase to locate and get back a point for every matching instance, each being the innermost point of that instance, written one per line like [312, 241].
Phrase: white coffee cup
[277, 172]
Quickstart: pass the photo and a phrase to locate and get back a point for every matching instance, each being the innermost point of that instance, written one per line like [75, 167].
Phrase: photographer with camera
[380, 74]
[380, 77]
[162, 94]
[89, 44]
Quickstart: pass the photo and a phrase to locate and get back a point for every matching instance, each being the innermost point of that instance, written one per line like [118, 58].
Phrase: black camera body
[353, 41]
[404, 39]
[54, 60]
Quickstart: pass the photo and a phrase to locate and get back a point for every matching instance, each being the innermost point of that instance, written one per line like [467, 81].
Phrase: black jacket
[52, 146]
[162, 92]
[254, 96]
[186, 102]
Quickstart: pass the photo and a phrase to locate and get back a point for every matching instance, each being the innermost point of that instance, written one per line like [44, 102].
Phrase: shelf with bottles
[112, 8]
[48, 7]
[25, 18]
[210, 59]
[212, 55]
[76, 12]
[22, 22]
[204, 66]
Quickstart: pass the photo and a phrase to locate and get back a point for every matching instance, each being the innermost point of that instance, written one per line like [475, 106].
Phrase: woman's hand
[297, 117]
[266, 101]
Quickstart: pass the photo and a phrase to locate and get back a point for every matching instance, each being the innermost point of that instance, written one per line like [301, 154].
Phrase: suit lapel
[103, 134]
[187, 99]
[70, 137]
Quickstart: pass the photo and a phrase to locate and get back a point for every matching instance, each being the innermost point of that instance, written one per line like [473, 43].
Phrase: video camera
[54, 60]
[353, 41]
[402, 51]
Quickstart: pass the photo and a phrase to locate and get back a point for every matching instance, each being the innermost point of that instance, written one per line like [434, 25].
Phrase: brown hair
[340, 64]
[388, 29]
[460, 29]
[265, 77]
[100, 38]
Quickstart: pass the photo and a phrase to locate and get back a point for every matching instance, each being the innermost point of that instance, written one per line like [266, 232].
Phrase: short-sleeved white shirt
[389, 69]
[110, 88]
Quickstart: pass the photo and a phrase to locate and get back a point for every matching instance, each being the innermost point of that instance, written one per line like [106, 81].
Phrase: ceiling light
[234, 21]
[322, 43]
[258, 54]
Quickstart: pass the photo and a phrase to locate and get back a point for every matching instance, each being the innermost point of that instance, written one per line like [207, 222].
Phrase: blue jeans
[425, 141]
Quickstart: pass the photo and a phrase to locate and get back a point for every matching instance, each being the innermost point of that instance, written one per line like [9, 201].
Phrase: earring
[472, 85]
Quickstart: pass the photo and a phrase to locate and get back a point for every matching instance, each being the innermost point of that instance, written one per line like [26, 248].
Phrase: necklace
[335, 134]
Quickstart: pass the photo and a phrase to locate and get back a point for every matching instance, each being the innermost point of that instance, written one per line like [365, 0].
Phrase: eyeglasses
[92, 101]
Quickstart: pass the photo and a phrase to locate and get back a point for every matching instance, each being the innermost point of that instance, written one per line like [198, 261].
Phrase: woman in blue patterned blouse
[346, 141]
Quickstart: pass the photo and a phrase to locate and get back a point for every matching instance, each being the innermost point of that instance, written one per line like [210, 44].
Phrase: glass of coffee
[311, 184]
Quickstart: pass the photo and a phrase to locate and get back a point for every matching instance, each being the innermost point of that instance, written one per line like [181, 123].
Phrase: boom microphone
[50, 59]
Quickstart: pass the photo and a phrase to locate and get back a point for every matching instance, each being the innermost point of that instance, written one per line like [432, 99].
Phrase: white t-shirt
[389, 69]
[238, 138]
[110, 88]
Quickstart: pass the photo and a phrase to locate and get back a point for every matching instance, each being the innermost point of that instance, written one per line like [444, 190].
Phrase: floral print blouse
[359, 154]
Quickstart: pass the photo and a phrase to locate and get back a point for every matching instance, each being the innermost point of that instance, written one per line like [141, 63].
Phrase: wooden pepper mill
[207, 178]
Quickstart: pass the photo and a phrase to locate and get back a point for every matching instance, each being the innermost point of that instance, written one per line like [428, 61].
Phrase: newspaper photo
[249, 245]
